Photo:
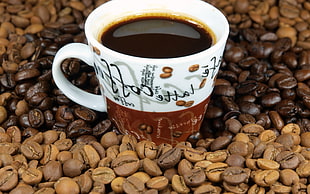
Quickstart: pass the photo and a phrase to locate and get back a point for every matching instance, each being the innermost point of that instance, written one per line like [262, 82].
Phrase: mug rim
[93, 42]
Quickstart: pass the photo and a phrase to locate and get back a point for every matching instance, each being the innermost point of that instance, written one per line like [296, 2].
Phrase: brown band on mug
[161, 127]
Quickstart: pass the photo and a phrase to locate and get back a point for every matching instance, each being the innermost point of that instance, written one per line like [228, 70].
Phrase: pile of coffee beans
[255, 135]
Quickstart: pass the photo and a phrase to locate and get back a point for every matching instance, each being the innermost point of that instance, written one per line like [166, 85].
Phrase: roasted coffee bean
[102, 127]
[240, 188]
[146, 149]
[194, 177]
[184, 166]
[217, 156]
[289, 177]
[235, 160]
[287, 159]
[235, 175]
[170, 158]
[158, 183]
[286, 108]
[229, 104]
[271, 99]
[151, 167]
[9, 178]
[286, 82]
[109, 139]
[179, 185]
[7, 80]
[220, 143]
[77, 128]
[266, 178]
[224, 90]
[266, 164]
[85, 114]
[52, 171]
[133, 185]
[72, 167]
[249, 108]
[32, 176]
[36, 118]
[246, 87]
[214, 171]
[66, 185]
[235, 54]
[41, 86]
[125, 165]
[207, 188]
[252, 129]
[103, 174]
[64, 114]
[32, 150]
[194, 155]
[233, 125]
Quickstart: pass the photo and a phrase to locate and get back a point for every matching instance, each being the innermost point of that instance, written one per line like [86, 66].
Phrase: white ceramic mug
[138, 100]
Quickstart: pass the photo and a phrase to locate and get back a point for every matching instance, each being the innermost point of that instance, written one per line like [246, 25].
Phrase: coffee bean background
[256, 133]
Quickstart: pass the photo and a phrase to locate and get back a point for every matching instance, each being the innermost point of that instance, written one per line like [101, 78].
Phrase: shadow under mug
[138, 98]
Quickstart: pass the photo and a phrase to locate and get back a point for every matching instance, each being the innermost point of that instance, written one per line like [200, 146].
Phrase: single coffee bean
[235, 175]
[52, 171]
[266, 178]
[303, 169]
[32, 150]
[266, 164]
[66, 185]
[220, 143]
[215, 170]
[63, 144]
[252, 129]
[179, 185]
[235, 160]
[194, 177]
[117, 184]
[92, 155]
[169, 173]
[194, 155]
[217, 156]
[23, 189]
[151, 167]
[158, 183]
[146, 149]
[72, 167]
[184, 166]
[240, 188]
[109, 139]
[102, 127]
[85, 182]
[133, 185]
[103, 174]
[170, 158]
[289, 177]
[125, 165]
[50, 153]
[32, 176]
[8, 178]
[287, 159]
[267, 136]
[85, 114]
[207, 188]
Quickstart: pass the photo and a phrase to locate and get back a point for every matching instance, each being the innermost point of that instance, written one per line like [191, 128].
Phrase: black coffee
[157, 37]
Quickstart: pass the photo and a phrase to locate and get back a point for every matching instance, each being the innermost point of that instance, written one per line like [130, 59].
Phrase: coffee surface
[157, 37]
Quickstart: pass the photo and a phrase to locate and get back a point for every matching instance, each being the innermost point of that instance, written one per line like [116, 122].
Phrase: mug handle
[82, 52]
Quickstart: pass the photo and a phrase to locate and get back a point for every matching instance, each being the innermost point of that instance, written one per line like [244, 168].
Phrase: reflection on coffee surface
[157, 37]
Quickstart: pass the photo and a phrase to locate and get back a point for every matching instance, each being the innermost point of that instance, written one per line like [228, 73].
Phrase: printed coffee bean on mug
[255, 134]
